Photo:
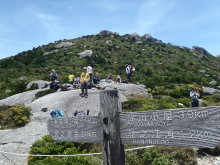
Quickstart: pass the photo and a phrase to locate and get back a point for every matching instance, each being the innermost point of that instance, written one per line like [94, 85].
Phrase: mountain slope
[156, 63]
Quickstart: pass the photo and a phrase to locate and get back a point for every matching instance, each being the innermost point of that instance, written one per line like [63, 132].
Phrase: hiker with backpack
[129, 70]
[84, 79]
[55, 85]
[53, 75]
[194, 95]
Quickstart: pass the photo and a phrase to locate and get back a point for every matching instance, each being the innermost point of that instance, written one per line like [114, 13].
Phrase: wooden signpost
[195, 127]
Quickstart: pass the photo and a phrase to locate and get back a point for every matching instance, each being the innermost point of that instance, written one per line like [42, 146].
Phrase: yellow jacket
[71, 77]
[84, 77]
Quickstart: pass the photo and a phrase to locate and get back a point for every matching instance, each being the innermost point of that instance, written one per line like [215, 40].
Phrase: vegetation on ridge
[156, 63]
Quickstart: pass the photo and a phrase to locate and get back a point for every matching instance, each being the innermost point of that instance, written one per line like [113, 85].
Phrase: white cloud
[151, 14]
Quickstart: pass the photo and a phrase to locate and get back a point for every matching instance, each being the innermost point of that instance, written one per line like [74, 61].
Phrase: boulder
[213, 83]
[108, 42]
[210, 91]
[40, 83]
[105, 32]
[149, 38]
[85, 53]
[201, 50]
[64, 44]
[48, 53]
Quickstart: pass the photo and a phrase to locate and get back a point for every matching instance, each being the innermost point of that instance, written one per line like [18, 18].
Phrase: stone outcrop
[48, 53]
[85, 53]
[213, 83]
[40, 83]
[201, 50]
[64, 44]
[210, 91]
[21, 98]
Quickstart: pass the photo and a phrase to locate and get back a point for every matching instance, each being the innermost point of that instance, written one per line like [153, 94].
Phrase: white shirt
[89, 69]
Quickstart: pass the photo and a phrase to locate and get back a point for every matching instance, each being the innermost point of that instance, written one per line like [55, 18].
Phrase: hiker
[128, 72]
[71, 78]
[84, 79]
[118, 79]
[109, 78]
[54, 85]
[96, 78]
[89, 70]
[53, 75]
[194, 95]
[76, 82]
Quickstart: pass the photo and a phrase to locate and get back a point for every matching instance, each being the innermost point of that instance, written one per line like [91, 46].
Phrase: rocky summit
[20, 140]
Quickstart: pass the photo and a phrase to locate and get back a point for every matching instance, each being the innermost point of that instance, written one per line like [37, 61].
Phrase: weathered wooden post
[112, 147]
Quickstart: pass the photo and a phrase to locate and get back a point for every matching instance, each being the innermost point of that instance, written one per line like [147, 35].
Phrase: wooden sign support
[112, 147]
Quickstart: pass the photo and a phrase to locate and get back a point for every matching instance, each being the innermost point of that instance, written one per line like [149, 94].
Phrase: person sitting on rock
[109, 78]
[84, 79]
[71, 78]
[76, 82]
[55, 85]
[96, 78]
[118, 80]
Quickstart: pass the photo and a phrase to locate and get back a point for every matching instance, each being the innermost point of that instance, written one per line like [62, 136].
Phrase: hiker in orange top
[84, 79]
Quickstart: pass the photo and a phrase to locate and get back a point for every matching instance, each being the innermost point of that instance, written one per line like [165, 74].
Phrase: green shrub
[49, 147]
[34, 86]
[18, 86]
[162, 156]
[14, 116]
[43, 93]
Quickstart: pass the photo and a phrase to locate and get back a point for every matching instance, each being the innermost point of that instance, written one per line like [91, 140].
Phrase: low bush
[14, 116]
[49, 147]
[162, 156]
[34, 86]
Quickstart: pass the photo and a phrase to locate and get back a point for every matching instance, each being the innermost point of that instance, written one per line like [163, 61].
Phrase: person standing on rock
[194, 95]
[89, 70]
[128, 72]
[84, 79]
[53, 75]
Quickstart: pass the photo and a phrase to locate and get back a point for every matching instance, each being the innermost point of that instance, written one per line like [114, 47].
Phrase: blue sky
[25, 24]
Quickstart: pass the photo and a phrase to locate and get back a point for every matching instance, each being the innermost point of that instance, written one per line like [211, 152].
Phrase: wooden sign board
[198, 127]
[76, 129]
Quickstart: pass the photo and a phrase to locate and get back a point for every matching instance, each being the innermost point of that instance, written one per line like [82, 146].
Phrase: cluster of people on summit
[87, 79]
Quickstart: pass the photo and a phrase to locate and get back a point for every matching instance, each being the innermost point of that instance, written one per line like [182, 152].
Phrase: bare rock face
[210, 91]
[20, 140]
[48, 53]
[64, 44]
[85, 53]
[21, 98]
[149, 38]
[201, 50]
[40, 83]
[213, 83]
